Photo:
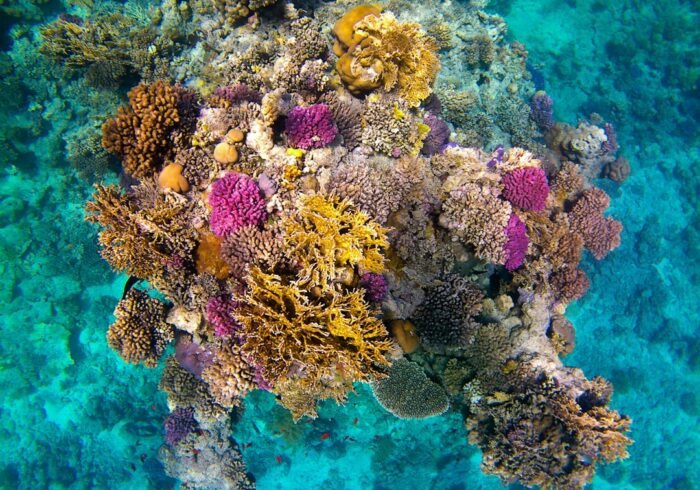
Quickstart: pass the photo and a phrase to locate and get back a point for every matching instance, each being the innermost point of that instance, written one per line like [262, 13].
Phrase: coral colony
[323, 210]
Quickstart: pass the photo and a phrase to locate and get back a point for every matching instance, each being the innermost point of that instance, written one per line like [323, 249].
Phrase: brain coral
[139, 333]
[383, 52]
[408, 393]
[236, 201]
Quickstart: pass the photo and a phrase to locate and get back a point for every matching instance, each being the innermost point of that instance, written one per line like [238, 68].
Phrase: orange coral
[139, 134]
[171, 178]
[208, 257]
[382, 52]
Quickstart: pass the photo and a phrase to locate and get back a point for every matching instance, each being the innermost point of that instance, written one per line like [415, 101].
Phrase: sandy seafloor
[75, 416]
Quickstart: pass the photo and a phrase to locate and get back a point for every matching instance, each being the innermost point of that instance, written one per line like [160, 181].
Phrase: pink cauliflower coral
[526, 188]
[310, 127]
[236, 201]
[600, 235]
[515, 247]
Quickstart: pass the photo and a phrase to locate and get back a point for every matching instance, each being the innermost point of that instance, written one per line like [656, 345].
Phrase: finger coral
[382, 52]
[139, 333]
[600, 234]
[229, 376]
[140, 133]
[408, 393]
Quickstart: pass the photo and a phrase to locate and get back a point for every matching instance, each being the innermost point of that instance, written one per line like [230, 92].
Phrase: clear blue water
[73, 415]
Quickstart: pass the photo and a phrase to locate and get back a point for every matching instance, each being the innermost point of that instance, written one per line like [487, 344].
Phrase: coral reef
[317, 228]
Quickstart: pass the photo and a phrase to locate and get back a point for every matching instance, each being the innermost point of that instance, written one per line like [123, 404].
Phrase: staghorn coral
[600, 235]
[408, 393]
[236, 201]
[140, 133]
[379, 51]
[139, 333]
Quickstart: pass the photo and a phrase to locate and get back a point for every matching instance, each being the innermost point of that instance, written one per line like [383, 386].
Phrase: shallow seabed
[75, 416]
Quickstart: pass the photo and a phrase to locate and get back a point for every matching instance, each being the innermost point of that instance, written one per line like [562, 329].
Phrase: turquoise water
[74, 415]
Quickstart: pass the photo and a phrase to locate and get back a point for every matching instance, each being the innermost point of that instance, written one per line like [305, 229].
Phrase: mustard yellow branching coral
[376, 50]
[311, 332]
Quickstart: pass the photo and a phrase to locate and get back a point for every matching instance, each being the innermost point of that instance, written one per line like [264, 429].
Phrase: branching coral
[408, 393]
[229, 376]
[140, 133]
[600, 234]
[382, 52]
[139, 333]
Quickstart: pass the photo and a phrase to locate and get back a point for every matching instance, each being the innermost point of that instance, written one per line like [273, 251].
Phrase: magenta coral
[526, 188]
[516, 244]
[600, 235]
[375, 286]
[220, 313]
[310, 127]
[236, 201]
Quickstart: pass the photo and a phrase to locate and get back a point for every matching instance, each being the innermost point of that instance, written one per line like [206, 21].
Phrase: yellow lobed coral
[383, 52]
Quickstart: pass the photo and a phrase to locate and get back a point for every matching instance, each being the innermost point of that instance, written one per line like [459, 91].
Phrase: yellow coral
[382, 52]
[328, 234]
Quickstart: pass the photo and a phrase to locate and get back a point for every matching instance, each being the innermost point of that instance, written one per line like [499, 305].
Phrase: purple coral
[236, 201]
[193, 357]
[527, 188]
[238, 93]
[310, 127]
[516, 244]
[437, 137]
[179, 425]
[220, 313]
[497, 156]
[375, 286]
[541, 111]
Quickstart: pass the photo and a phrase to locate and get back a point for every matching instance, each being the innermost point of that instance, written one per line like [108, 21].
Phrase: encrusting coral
[316, 227]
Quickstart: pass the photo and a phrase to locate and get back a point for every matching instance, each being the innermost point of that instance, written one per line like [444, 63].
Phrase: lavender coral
[179, 425]
[541, 110]
[375, 286]
[236, 201]
[310, 127]
[526, 188]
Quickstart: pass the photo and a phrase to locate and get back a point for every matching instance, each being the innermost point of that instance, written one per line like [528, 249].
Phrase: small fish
[346, 438]
[143, 458]
[354, 422]
[196, 451]
[279, 459]
[153, 407]
[249, 444]
[133, 467]
[130, 283]
[325, 436]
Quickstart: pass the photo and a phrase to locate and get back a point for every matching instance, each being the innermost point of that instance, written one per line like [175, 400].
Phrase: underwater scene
[328, 244]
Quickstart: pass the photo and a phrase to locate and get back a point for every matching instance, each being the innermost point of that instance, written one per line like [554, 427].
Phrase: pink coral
[600, 235]
[526, 188]
[236, 201]
[515, 247]
[310, 127]
[220, 313]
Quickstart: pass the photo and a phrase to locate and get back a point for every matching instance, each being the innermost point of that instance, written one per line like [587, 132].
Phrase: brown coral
[600, 234]
[140, 133]
[139, 333]
[229, 376]
[250, 245]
